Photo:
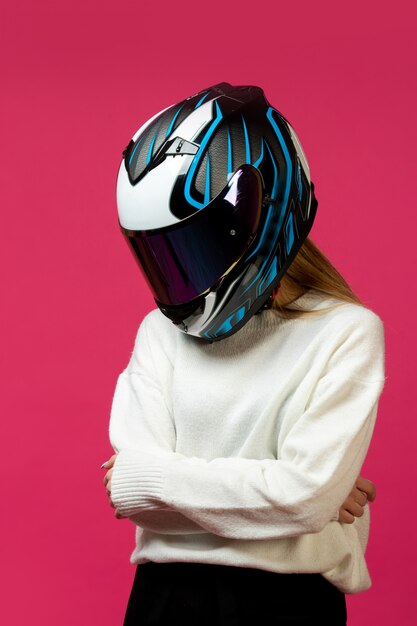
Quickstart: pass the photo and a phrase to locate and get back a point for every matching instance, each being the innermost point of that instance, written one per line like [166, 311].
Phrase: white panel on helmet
[146, 205]
[195, 121]
[300, 151]
[204, 321]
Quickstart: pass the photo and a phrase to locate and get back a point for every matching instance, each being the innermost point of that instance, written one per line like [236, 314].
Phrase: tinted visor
[183, 260]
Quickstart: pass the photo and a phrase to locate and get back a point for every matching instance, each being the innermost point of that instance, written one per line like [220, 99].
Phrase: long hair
[311, 269]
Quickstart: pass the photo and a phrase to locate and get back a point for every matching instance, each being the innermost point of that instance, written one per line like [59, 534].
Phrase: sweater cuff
[136, 482]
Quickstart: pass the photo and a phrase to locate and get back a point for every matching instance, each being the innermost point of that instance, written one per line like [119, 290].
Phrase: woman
[244, 415]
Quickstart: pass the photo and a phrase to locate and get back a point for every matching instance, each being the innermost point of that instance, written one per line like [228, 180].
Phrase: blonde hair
[311, 269]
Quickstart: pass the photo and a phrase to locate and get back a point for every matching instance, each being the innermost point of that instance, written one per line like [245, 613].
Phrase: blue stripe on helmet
[148, 158]
[247, 145]
[173, 122]
[229, 154]
[262, 155]
[207, 188]
[134, 150]
[286, 155]
[270, 210]
[195, 162]
[200, 101]
[228, 324]
[300, 189]
[289, 233]
[273, 193]
[269, 276]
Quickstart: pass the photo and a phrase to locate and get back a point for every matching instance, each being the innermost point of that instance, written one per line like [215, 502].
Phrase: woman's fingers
[359, 496]
[110, 462]
[350, 510]
[345, 516]
[107, 479]
[367, 486]
[107, 483]
[364, 490]
[353, 506]
[107, 476]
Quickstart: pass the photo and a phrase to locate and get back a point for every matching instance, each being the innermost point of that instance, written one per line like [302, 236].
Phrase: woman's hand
[363, 490]
[107, 482]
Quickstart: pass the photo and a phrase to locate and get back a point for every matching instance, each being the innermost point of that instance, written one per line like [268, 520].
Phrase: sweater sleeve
[298, 493]
[141, 423]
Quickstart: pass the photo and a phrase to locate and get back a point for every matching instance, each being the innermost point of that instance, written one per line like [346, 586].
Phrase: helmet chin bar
[195, 322]
[192, 316]
[177, 313]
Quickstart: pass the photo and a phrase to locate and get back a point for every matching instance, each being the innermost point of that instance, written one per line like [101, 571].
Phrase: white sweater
[241, 451]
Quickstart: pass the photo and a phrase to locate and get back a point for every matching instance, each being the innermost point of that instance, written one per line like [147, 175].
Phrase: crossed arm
[162, 490]
[363, 491]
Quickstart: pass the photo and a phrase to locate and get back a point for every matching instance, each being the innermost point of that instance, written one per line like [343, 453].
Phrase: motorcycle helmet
[214, 199]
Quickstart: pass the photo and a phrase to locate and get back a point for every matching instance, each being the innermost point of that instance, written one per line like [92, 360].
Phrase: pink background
[78, 79]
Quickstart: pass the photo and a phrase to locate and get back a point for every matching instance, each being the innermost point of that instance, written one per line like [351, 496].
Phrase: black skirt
[201, 594]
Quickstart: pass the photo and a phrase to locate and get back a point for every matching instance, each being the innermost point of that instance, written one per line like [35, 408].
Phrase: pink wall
[77, 81]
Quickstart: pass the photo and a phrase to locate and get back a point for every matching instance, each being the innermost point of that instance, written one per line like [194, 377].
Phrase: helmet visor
[185, 259]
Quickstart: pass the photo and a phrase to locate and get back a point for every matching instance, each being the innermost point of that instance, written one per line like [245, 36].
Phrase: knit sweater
[240, 452]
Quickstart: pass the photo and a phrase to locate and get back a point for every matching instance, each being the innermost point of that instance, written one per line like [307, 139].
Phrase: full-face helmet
[214, 198]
